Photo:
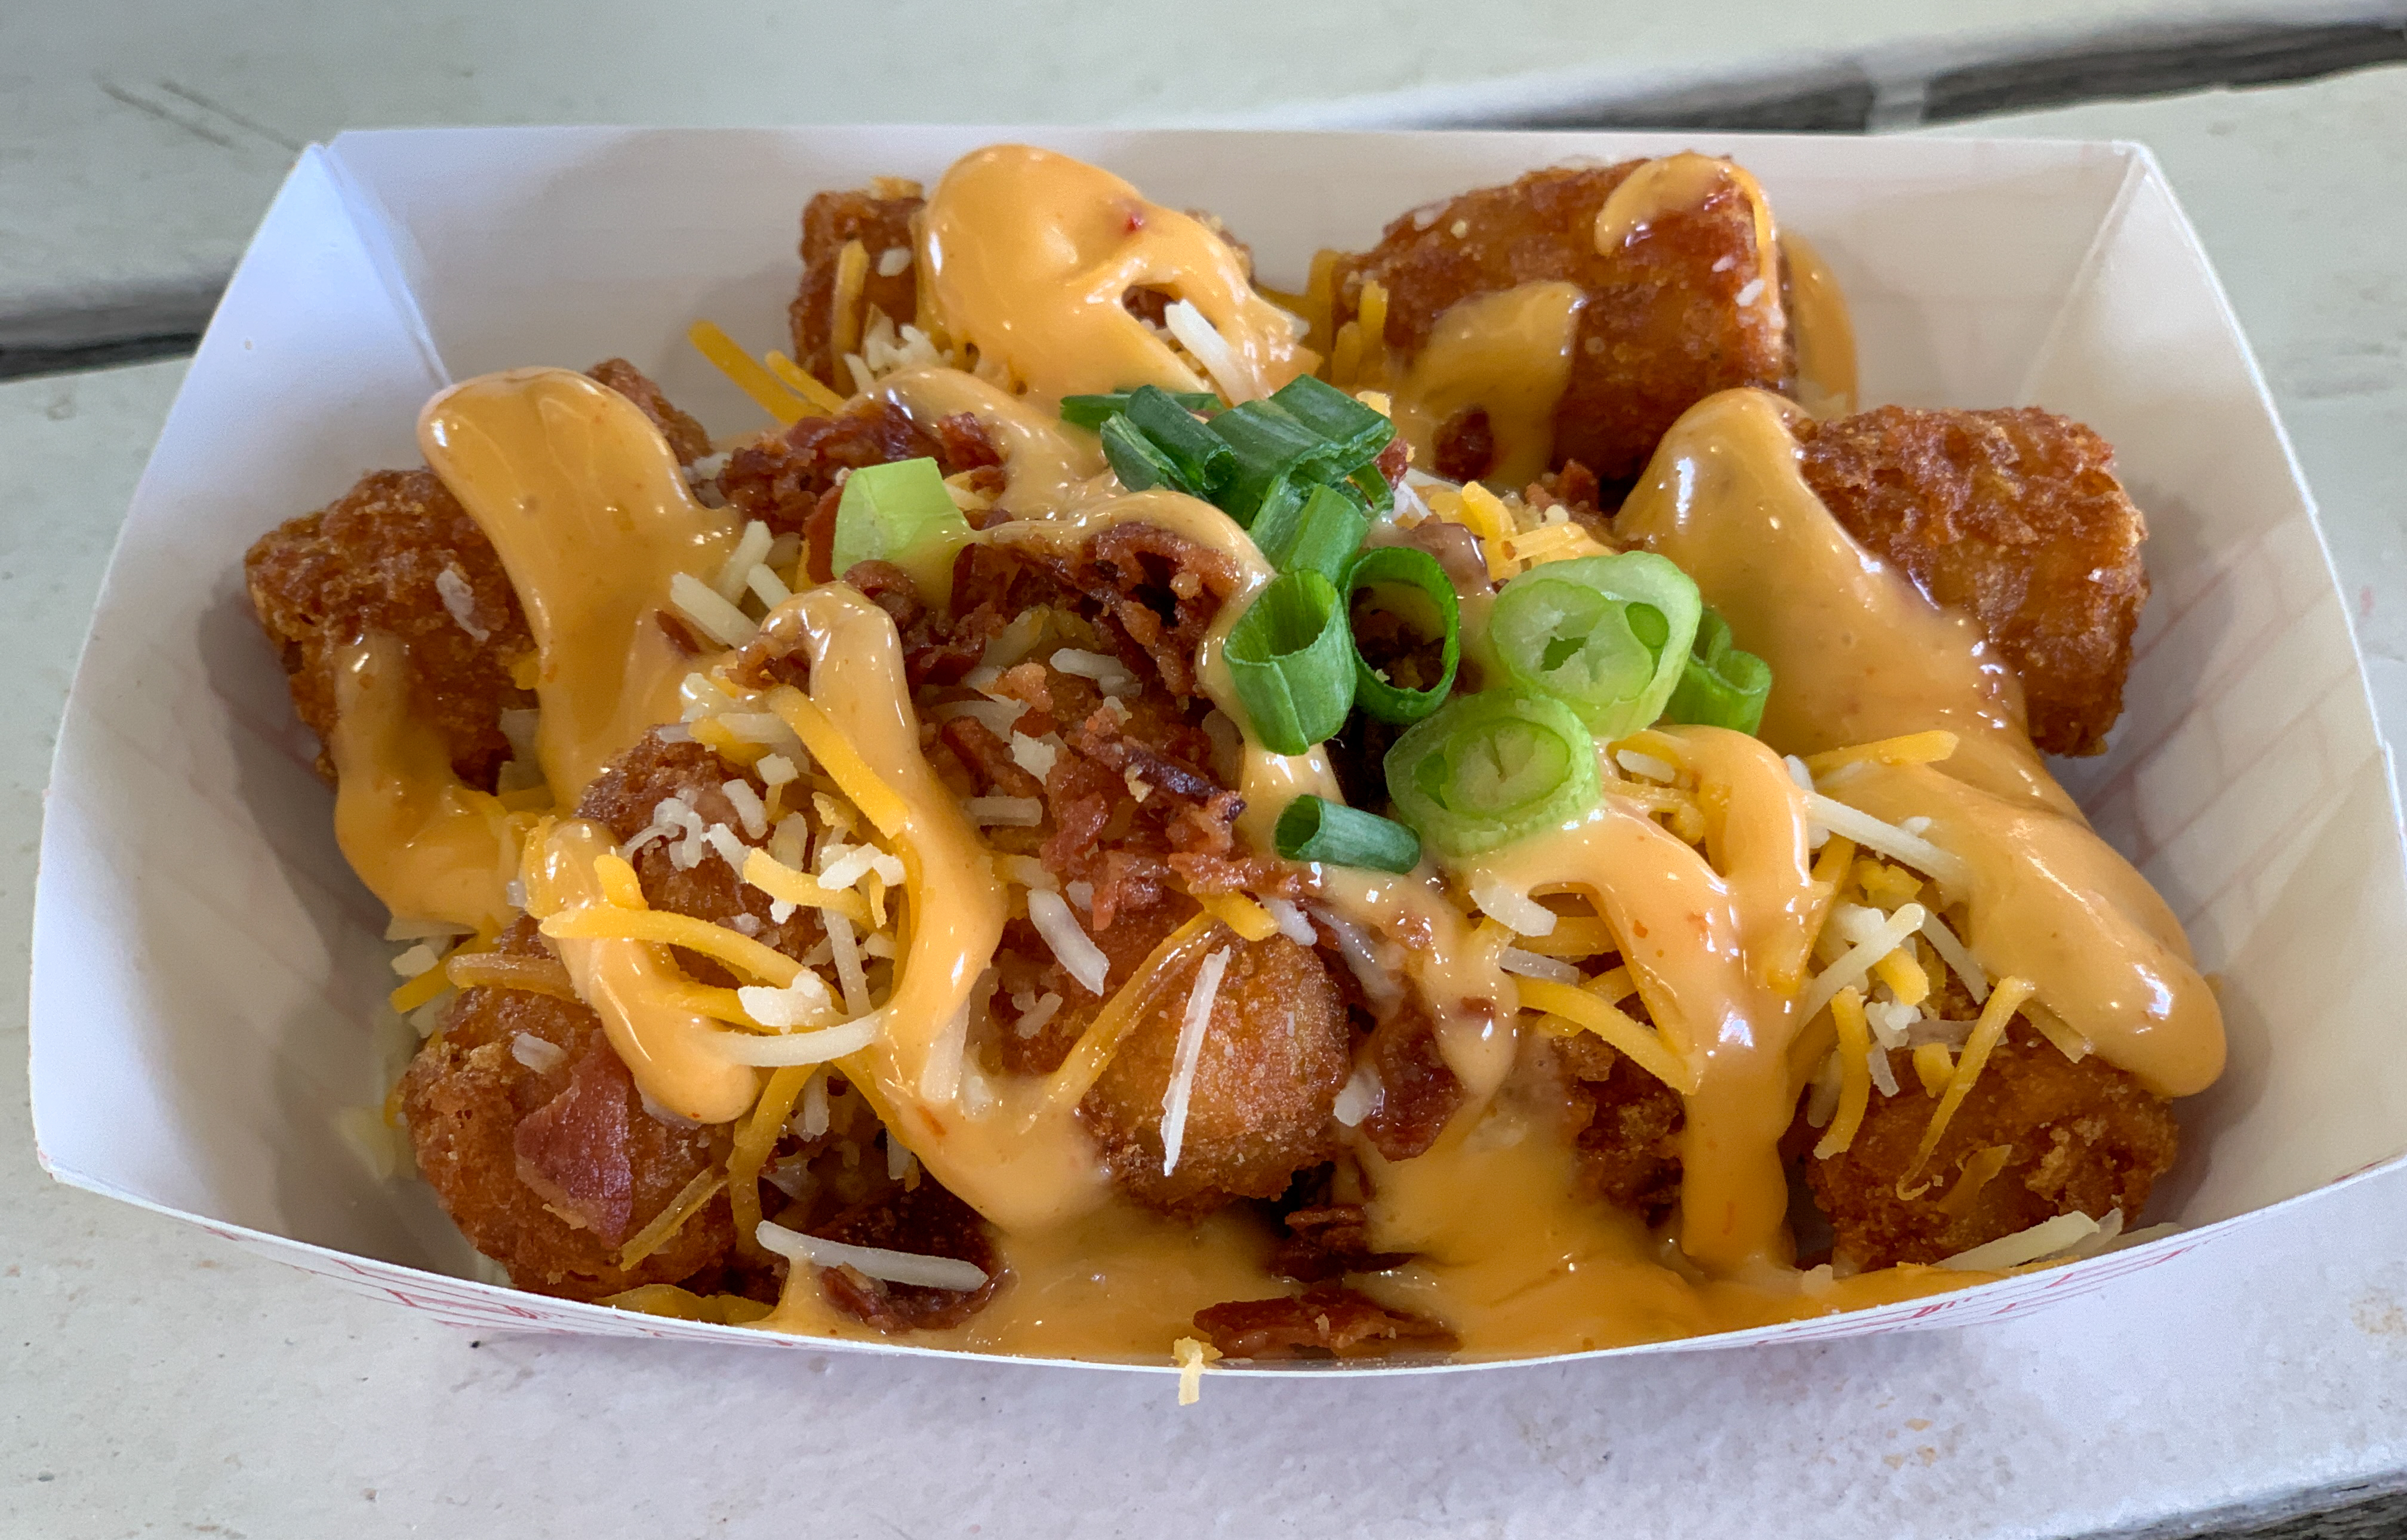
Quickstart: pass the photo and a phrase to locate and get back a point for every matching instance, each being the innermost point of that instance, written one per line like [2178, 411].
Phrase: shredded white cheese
[847, 952]
[1036, 755]
[1859, 960]
[798, 1048]
[711, 614]
[537, 1053]
[1531, 965]
[1646, 766]
[1516, 910]
[803, 1003]
[2044, 1239]
[767, 586]
[752, 545]
[1359, 1096]
[750, 809]
[1889, 840]
[1196, 334]
[460, 601]
[1290, 921]
[1190, 1054]
[872, 1261]
[776, 770]
[1078, 954]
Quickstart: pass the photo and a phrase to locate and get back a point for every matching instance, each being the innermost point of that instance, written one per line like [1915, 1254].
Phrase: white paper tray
[205, 967]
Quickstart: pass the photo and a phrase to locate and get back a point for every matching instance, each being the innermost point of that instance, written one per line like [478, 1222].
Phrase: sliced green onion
[1720, 686]
[1320, 532]
[1606, 634]
[1292, 655]
[1378, 497]
[1413, 567]
[1204, 460]
[900, 513]
[1091, 411]
[1491, 767]
[1272, 449]
[1330, 832]
[1139, 461]
[1354, 432]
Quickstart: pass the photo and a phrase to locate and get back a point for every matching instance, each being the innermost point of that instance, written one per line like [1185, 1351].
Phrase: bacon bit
[1323, 1322]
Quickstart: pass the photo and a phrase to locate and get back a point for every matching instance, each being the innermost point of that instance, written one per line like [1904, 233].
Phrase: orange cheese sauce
[1025, 256]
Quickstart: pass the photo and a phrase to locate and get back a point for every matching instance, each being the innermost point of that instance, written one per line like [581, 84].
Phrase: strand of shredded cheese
[755, 1137]
[2005, 998]
[836, 755]
[532, 974]
[750, 378]
[804, 384]
[1980, 1168]
[1855, 1066]
[1615, 1026]
[1934, 1066]
[671, 1219]
[1572, 937]
[1240, 913]
[604, 922]
[782, 882]
[1927, 747]
[1086, 1061]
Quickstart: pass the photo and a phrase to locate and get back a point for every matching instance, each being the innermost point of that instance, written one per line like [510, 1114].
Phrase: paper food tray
[206, 968]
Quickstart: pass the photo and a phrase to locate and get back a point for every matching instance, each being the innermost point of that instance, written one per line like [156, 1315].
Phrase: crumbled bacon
[926, 1221]
[1465, 446]
[1328, 1241]
[1417, 1093]
[1326, 1321]
[1160, 591]
[573, 1149]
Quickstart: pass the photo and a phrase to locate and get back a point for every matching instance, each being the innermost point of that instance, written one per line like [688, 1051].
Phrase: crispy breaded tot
[1677, 306]
[2015, 518]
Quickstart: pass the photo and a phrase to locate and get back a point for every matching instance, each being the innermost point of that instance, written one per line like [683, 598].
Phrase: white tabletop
[140, 139]
[164, 1381]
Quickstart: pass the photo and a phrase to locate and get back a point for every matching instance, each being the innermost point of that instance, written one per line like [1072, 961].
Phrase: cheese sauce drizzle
[1028, 255]
[592, 517]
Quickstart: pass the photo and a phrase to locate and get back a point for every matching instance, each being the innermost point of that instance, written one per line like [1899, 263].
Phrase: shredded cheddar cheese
[835, 754]
[1240, 913]
[750, 378]
[1934, 1066]
[1615, 1025]
[602, 922]
[1909, 748]
[2005, 998]
[670, 1219]
[1855, 1067]
[1980, 1168]
[755, 1138]
[782, 882]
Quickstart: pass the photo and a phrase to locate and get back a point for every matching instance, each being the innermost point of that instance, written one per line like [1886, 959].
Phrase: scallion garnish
[1720, 686]
[1091, 411]
[1491, 767]
[1607, 636]
[1312, 829]
[898, 512]
[1320, 532]
[1273, 450]
[1412, 568]
[1291, 656]
[1203, 460]
[1139, 461]
[1354, 432]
